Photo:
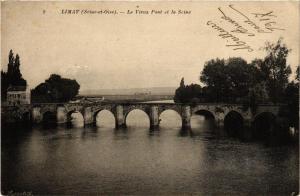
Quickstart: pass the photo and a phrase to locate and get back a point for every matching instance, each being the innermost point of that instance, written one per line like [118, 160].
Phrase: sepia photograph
[150, 97]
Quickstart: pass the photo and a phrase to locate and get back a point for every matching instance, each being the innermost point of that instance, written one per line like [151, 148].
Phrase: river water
[102, 160]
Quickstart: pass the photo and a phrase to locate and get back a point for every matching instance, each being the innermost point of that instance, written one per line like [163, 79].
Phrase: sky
[114, 51]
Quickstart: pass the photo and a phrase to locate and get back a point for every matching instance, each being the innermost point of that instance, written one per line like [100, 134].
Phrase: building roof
[16, 88]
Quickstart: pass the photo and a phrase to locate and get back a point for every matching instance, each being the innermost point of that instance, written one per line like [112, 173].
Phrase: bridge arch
[26, 117]
[141, 111]
[203, 124]
[46, 108]
[233, 123]
[176, 108]
[206, 113]
[77, 116]
[263, 124]
[169, 109]
[69, 114]
[177, 118]
[108, 112]
[271, 113]
[49, 117]
[243, 114]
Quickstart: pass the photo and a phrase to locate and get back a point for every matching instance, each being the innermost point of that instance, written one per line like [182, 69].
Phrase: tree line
[233, 80]
[54, 89]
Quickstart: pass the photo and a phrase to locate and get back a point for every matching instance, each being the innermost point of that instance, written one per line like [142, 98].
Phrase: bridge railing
[143, 103]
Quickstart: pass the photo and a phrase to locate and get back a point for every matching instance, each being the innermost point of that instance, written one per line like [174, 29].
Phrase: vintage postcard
[150, 97]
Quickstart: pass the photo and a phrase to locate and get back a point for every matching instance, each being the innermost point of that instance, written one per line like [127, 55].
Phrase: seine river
[102, 160]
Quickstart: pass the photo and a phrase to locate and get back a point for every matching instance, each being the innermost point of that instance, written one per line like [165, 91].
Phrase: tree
[298, 73]
[182, 83]
[275, 69]
[13, 75]
[228, 80]
[10, 65]
[4, 85]
[214, 77]
[16, 76]
[55, 89]
[292, 99]
[240, 77]
[179, 92]
[260, 92]
[187, 93]
[257, 94]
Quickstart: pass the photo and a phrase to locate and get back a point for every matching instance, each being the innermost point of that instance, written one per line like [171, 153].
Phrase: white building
[18, 95]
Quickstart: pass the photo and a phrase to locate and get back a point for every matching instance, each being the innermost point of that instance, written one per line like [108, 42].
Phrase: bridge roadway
[63, 111]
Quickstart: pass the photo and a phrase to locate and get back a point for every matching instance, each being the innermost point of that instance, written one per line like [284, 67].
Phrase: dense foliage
[235, 81]
[188, 93]
[55, 89]
[292, 99]
[275, 71]
[13, 75]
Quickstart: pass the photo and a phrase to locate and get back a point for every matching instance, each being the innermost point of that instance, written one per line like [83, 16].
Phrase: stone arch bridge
[63, 111]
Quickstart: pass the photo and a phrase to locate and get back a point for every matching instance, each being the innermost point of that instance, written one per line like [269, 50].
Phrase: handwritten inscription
[237, 43]
[249, 25]
[238, 27]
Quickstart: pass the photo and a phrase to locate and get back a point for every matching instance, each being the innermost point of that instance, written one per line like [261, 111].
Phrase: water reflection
[234, 124]
[102, 160]
[203, 125]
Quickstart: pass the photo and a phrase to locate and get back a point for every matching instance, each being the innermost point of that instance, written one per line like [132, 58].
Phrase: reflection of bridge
[62, 111]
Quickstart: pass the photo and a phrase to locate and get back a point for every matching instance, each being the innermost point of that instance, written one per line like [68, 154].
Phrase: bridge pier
[88, 116]
[36, 115]
[186, 118]
[120, 120]
[154, 118]
[247, 132]
[220, 123]
[61, 115]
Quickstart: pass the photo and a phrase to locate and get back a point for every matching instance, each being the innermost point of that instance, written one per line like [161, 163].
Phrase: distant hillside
[131, 91]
